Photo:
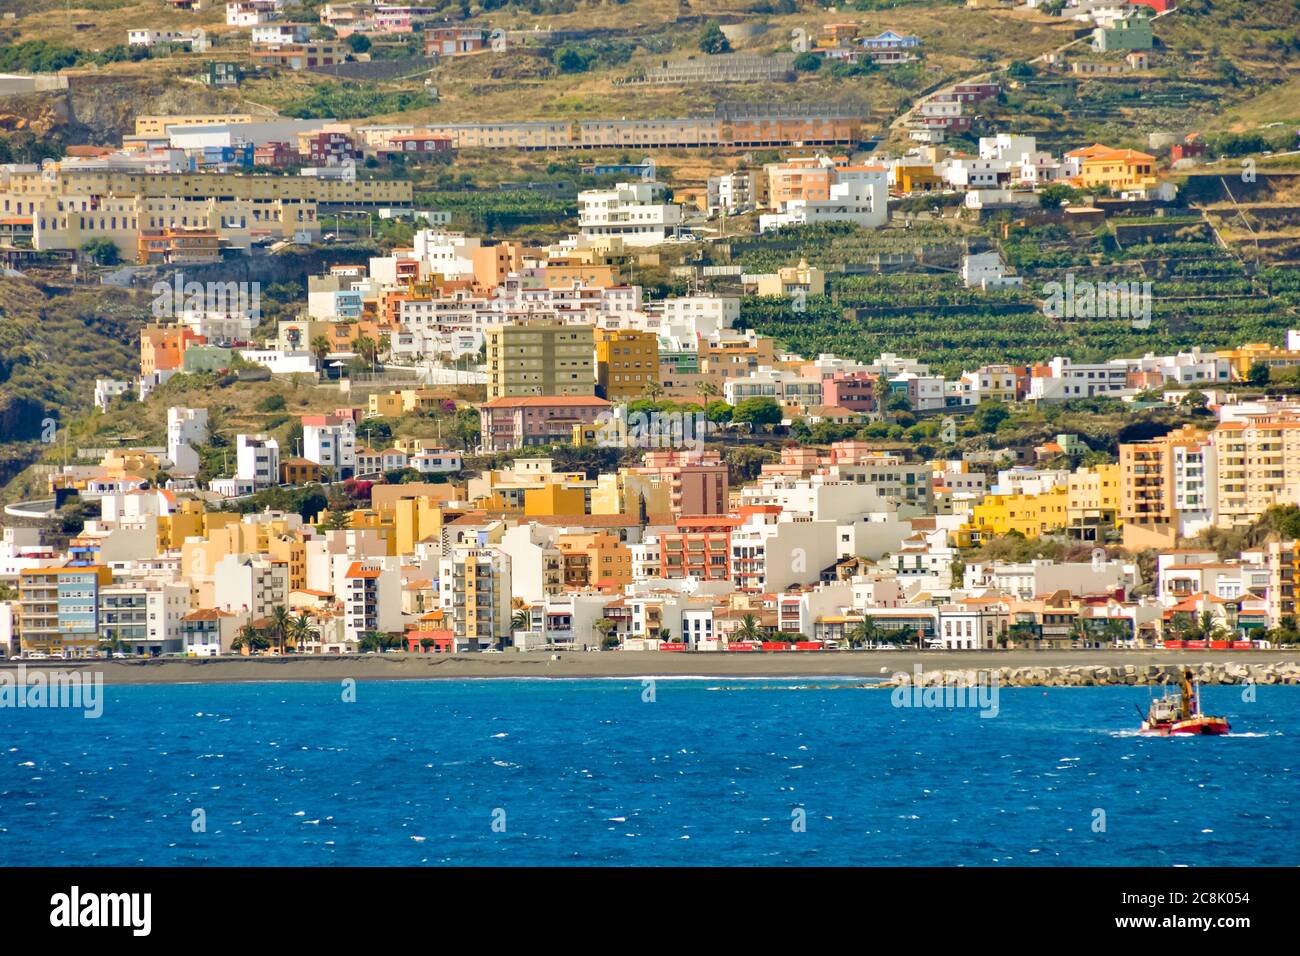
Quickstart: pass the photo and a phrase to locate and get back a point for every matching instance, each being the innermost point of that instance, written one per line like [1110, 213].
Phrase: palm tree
[865, 632]
[251, 639]
[281, 623]
[365, 347]
[521, 620]
[1116, 631]
[320, 347]
[749, 629]
[381, 641]
[706, 390]
[666, 635]
[653, 391]
[300, 631]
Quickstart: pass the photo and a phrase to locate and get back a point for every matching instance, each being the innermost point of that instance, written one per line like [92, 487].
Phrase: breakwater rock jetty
[1102, 675]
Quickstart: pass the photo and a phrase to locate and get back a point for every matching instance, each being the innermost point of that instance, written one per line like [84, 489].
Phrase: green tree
[807, 63]
[1056, 195]
[251, 639]
[300, 631]
[750, 629]
[605, 628]
[1258, 374]
[865, 632]
[719, 413]
[359, 43]
[281, 623]
[988, 416]
[757, 412]
[102, 252]
[713, 40]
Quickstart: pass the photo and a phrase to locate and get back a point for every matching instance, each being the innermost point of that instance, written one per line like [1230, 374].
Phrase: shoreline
[1015, 668]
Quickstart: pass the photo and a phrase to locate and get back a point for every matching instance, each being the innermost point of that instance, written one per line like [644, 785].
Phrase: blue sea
[686, 772]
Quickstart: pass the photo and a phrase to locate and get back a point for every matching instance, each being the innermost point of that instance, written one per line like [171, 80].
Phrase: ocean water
[711, 771]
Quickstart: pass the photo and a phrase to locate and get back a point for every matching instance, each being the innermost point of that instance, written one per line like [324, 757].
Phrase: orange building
[163, 349]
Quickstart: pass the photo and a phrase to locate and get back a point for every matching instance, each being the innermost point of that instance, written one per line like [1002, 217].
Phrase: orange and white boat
[1179, 715]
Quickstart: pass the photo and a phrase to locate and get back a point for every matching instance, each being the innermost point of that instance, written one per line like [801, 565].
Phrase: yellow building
[68, 183]
[918, 178]
[58, 609]
[1258, 466]
[554, 499]
[155, 126]
[1115, 169]
[627, 363]
[403, 402]
[1093, 499]
[290, 548]
[68, 221]
[1258, 353]
[540, 358]
[632, 495]
[1030, 515]
[788, 280]
[595, 558]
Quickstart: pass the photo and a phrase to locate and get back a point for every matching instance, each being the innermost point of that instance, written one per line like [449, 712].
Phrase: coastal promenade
[636, 664]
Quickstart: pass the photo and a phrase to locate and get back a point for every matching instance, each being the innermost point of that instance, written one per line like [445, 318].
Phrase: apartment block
[1167, 487]
[627, 363]
[58, 610]
[475, 585]
[540, 358]
[1258, 466]
[631, 212]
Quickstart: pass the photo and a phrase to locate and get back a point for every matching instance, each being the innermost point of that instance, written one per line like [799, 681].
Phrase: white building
[186, 427]
[771, 554]
[690, 315]
[371, 598]
[860, 196]
[630, 211]
[986, 271]
[107, 389]
[331, 442]
[1065, 379]
[251, 584]
[257, 460]
[1043, 576]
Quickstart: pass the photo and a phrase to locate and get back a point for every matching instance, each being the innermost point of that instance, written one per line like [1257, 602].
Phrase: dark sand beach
[577, 664]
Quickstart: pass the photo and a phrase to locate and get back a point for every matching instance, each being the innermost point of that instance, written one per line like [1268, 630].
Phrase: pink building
[509, 423]
[855, 391]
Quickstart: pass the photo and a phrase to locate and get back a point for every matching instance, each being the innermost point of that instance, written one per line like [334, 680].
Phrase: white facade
[186, 427]
[257, 460]
[1066, 380]
[860, 197]
[332, 445]
[629, 211]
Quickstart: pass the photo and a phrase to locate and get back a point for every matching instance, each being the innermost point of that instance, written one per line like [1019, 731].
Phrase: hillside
[54, 343]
